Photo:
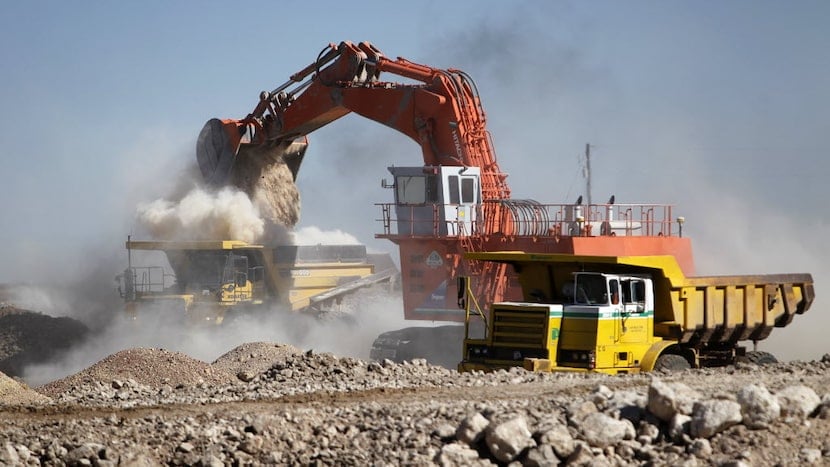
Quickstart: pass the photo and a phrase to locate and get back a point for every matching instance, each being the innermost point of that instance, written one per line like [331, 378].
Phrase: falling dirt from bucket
[264, 174]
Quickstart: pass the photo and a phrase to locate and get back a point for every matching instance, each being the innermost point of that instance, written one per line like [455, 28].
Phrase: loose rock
[713, 416]
[797, 402]
[759, 408]
[507, 440]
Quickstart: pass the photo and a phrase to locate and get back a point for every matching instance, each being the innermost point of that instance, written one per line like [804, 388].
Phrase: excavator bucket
[216, 150]
[224, 143]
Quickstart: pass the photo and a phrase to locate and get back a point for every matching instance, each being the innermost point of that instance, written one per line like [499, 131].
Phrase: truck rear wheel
[759, 357]
[671, 362]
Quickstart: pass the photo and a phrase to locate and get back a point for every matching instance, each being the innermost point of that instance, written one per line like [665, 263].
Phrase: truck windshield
[211, 269]
[591, 289]
[206, 270]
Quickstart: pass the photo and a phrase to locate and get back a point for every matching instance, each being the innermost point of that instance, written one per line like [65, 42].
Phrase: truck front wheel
[671, 362]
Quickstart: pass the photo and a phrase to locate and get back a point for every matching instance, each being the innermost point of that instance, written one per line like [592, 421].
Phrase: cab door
[463, 196]
[634, 316]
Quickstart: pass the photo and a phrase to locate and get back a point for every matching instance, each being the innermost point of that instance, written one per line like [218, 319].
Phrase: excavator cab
[443, 200]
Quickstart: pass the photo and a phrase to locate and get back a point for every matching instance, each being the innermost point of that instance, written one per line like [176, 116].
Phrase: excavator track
[439, 345]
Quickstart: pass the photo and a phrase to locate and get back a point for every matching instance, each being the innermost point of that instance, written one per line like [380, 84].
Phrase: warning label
[434, 260]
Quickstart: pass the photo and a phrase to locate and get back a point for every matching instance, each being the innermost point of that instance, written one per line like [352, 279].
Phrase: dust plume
[312, 235]
[201, 215]
[370, 313]
[258, 204]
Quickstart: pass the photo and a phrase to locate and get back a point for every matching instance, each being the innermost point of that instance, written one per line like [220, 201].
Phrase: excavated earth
[267, 403]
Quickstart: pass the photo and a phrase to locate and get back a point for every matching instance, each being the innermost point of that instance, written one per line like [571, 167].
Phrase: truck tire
[671, 362]
[759, 357]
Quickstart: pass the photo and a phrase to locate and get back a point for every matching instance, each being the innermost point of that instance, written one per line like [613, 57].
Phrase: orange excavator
[457, 201]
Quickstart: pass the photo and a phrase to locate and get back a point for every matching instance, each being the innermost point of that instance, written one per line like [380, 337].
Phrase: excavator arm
[438, 109]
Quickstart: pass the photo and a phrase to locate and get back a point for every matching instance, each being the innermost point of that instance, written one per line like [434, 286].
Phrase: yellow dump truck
[624, 314]
[208, 281]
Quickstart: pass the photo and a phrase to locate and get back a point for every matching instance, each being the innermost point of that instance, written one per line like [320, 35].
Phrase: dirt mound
[151, 367]
[15, 393]
[254, 357]
[27, 337]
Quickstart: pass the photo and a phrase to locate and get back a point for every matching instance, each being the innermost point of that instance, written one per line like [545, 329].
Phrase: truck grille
[520, 328]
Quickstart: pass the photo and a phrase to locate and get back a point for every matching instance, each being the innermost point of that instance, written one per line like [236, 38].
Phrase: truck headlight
[478, 351]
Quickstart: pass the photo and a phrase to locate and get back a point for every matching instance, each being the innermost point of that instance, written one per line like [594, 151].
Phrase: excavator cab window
[463, 193]
[468, 190]
[416, 189]
[454, 195]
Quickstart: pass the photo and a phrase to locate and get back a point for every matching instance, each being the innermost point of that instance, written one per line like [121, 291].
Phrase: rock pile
[27, 337]
[672, 425]
[13, 393]
[308, 408]
[153, 368]
[252, 358]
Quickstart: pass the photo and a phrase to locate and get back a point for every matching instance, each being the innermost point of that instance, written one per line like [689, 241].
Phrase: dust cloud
[312, 235]
[260, 205]
[371, 313]
[202, 215]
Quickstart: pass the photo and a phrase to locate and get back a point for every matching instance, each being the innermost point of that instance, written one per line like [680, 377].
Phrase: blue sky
[722, 108]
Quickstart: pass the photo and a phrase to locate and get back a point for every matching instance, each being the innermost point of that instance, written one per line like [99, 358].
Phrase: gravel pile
[254, 357]
[153, 368]
[149, 406]
[14, 393]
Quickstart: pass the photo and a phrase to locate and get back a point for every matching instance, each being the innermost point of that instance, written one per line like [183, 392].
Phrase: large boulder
[457, 454]
[560, 439]
[600, 430]
[507, 440]
[471, 429]
[759, 408]
[712, 416]
[667, 399]
[797, 402]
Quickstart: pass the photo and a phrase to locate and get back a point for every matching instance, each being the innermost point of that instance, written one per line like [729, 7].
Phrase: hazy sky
[722, 108]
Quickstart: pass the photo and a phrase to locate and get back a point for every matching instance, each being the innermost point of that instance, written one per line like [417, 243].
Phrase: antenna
[588, 172]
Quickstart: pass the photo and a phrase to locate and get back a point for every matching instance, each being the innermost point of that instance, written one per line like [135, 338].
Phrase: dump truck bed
[723, 309]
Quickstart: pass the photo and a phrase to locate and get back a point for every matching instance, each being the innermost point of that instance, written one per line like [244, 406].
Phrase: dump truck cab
[623, 314]
[600, 322]
[607, 319]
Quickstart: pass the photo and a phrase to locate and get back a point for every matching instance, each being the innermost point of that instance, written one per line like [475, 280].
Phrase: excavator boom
[441, 111]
